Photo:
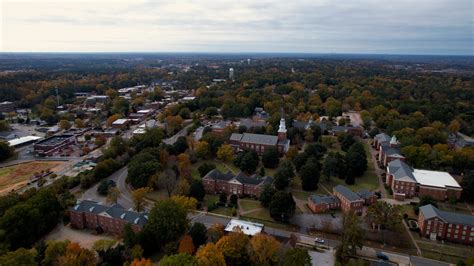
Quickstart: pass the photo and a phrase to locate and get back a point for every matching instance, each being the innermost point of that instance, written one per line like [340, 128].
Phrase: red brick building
[260, 142]
[53, 144]
[379, 139]
[323, 203]
[108, 219]
[240, 184]
[407, 182]
[443, 225]
[349, 199]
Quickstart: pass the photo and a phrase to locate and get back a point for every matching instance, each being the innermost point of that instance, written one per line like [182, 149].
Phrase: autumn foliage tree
[234, 247]
[75, 255]
[225, 153]
[186, 245]
[264, 250]
[210, 255]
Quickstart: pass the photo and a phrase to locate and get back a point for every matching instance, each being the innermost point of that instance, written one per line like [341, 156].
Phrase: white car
[319, 240]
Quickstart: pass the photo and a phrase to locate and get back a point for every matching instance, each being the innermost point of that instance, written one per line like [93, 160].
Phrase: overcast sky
[313, 26]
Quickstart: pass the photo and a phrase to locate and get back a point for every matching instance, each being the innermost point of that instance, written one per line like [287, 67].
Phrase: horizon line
[232, 53]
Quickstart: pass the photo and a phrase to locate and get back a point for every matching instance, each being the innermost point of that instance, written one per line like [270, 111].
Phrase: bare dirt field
[16, 176]
[83, 237]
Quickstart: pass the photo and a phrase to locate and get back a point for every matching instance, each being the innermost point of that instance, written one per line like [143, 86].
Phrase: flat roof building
[248, 228]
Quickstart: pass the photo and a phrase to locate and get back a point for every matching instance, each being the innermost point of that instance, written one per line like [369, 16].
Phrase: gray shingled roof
[429, 211]
[259, 139]
[318, 199]
[382, 137]
[401, 171]
[90, 207]
[391, 151]
[116, 211]
[365, 193]
[217, 175]
[235, 136]
[347, 193]
[253, 180]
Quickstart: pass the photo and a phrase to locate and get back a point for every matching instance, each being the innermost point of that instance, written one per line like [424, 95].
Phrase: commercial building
[248, 228]
[407, 182]
[53, 144]
[121, 123]
[17, 142]
[7, 107]
[260, 142]
[442, 225]
[105, 219]
[240, 184]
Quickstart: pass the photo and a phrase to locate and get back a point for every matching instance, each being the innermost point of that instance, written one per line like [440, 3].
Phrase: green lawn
[157, 195]
[219, 166]
[248, 205]
[408, 209]
[303, 195]
[447, 252]
[223, 211]
[209, 198]
[263, 216]
[458, 207]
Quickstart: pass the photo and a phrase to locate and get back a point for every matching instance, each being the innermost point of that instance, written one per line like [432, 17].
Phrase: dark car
[382, 256]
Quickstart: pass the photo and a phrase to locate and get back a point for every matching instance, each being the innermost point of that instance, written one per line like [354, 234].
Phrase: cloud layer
[317, 26]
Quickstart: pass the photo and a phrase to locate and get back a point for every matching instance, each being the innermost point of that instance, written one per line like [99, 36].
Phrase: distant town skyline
[440, 27]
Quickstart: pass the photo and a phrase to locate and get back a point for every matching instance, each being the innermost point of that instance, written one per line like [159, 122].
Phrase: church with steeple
[260, 142]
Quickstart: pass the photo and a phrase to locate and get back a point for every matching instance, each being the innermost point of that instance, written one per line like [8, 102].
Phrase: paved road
[125, 198]
[183, 132]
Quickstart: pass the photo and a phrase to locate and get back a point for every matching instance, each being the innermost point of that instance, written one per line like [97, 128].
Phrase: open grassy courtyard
[17, 176]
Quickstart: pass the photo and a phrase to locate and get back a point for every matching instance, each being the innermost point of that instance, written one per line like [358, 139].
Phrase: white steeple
[282, 128]
[394, 140]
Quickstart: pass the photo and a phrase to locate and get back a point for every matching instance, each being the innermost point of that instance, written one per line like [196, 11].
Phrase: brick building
[443, 225]
[407, 182]
[389, 151]
[108, 219]
[349, 199]
[259, 142]
[53, 144]
[379, 139]
[323, 203]
[240, 184]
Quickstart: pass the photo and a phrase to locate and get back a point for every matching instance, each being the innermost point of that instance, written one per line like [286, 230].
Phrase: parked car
[318, 240]
[381, 256]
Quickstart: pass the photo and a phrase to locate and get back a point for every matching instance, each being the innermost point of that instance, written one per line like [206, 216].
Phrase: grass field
[303, 195]
[448, 252]
[15, 177]
[219, 166]
[248, 205]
